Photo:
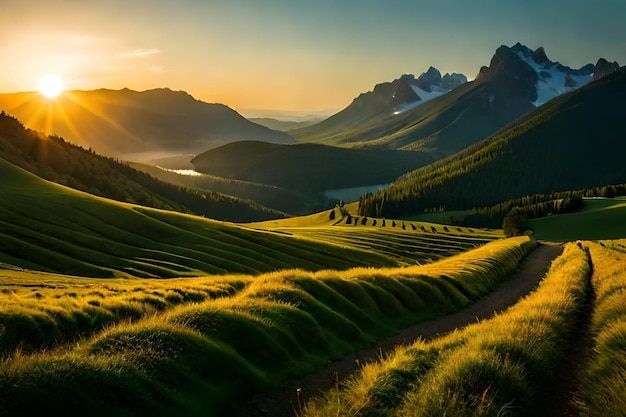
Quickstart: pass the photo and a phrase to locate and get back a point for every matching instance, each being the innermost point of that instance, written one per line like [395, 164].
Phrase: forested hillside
[51, 158]
[573, 142]
[306, 168]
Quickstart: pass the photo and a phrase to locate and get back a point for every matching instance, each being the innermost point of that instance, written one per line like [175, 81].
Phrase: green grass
[602, 383]
[48, 227]
[503, 366]
[601, 218]
[406, 242]
[197, 345]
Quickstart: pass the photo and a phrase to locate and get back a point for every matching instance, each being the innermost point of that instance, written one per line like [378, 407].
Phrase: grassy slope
[197, 345]
[408, 242]
[602, 382]
[49, 227]
[502, 366]
[598, 219]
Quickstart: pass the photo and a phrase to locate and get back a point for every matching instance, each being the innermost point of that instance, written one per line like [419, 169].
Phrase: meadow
[52, 228]
[601, 389]
[195, 345]
[599, 218]
[559, 351]
[111, 308]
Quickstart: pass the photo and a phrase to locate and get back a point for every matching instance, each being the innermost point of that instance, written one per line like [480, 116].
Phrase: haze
[284, 55]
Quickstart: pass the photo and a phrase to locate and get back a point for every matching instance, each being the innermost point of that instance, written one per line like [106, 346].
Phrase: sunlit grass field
[195, 345]
[512, 365]
[602, 383]
[507, 365]
[48, 227]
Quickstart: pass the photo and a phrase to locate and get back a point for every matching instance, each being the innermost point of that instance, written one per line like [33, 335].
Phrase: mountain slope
[573, 142]
[516, 80]
[390, 98]
[54, 159]
[119, 122]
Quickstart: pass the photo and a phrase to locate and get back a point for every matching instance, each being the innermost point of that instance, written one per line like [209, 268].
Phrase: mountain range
[385, 100]
[121, 122]
[397, 127]
[516, 81]
[573, 142]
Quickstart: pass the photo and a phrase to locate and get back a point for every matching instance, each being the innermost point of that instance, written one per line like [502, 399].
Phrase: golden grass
[489, 368]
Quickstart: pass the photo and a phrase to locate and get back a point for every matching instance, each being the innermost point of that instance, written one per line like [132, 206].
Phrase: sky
[265, 56]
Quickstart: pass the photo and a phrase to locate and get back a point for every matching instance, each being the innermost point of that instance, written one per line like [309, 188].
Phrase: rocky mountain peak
[540, 57]
[604, 68]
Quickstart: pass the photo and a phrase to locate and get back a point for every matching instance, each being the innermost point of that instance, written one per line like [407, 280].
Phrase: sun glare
[50, 85]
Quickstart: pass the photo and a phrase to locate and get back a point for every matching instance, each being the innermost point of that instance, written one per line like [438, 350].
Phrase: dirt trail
[287, 399]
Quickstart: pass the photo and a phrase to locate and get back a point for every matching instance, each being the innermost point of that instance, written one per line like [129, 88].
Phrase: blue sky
[287, 55]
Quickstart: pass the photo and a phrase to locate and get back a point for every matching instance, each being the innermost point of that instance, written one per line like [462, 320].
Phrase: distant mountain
[283, 125]
[573, 142]
[306, 168]
[516, 81]
[387, 99]
[51, 158]
[119, 122]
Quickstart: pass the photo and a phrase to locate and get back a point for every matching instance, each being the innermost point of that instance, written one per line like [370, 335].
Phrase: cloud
[141, 52]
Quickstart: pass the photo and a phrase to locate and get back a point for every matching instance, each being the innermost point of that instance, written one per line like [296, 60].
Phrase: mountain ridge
[572, 142]
[120, 122]
[515, 82]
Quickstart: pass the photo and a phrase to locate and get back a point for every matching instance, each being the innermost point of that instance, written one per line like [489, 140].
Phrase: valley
[438, 247]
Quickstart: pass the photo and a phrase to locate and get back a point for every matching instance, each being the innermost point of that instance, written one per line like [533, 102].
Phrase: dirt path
[286, 400]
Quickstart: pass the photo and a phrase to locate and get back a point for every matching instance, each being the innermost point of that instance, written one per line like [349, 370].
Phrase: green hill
[570, 143]
[306, 168]
[49, 227]
[52, 158]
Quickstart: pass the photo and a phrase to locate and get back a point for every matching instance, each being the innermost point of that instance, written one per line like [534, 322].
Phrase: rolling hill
[516, 81]
[572, 142]
[49, 227]
[122, 122]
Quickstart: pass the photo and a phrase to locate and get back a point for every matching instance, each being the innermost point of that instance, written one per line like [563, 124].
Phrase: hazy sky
[287, 54]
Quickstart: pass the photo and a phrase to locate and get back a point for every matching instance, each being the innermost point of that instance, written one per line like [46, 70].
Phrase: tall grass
[602, 387]
[502, 366]
[240, 333]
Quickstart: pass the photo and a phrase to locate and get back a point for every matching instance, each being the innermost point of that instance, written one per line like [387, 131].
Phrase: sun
[50, 85]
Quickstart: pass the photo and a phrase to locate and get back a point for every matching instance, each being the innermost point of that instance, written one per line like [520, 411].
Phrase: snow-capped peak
[430, 85]
[553, 79]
